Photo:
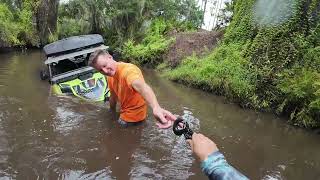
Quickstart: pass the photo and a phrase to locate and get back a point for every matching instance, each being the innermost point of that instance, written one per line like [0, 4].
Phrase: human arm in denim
[217, 168]
[214, 164]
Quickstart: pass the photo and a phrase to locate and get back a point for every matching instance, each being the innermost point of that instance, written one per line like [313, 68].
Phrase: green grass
[152, 46]
[274, 67]
[224, 71]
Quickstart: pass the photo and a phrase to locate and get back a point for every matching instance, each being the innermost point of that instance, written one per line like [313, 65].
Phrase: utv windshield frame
[69, 75]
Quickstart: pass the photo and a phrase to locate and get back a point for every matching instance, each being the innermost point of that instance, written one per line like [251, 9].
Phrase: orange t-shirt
[133, 107]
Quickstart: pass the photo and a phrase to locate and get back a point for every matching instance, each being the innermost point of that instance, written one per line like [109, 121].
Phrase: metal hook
[180, 126]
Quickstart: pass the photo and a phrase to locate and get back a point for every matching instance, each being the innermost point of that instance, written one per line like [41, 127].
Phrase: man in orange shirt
[128, 87]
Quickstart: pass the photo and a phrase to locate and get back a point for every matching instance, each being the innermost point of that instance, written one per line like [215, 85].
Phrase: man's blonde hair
[94, 56]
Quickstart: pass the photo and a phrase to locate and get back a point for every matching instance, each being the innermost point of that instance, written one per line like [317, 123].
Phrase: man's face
[105, 65]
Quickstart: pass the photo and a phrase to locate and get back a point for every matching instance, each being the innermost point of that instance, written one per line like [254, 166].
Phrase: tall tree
[204, 10]
[46, 17]
[119, 20]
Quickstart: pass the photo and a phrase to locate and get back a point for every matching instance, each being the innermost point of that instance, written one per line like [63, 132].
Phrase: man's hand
[202, 146]
[164, 117]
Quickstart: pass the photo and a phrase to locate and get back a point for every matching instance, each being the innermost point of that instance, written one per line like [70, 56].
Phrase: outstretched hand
[202, 146]
[164, 117]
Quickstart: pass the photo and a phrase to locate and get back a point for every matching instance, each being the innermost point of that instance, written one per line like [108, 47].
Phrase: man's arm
[164, 117]
[216, 167]
[147, 93]
[214, 164]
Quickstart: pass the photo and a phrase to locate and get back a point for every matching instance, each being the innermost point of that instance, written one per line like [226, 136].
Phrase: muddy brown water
[47, 137]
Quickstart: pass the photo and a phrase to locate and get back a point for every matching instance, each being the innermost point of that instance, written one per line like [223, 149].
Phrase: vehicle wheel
[44, 75]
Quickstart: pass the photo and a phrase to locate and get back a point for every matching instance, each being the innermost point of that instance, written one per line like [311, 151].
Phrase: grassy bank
[271, 66]
[224, 72]
[156, 42]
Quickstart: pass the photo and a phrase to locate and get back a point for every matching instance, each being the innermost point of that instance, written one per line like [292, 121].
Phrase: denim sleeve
[217, 168]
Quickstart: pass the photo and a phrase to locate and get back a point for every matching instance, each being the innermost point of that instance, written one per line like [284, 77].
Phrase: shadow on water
[48, 137]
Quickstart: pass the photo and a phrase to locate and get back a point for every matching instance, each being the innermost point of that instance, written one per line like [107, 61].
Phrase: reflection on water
[48, 137]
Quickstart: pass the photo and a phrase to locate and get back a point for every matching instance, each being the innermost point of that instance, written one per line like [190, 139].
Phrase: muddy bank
[7, 49]
[189, 43]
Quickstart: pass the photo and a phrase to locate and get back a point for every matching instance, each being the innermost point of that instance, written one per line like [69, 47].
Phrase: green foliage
[311, 58]
[16, 27]
[116, 20]
[241, 28]
[287, 48]
[301, 89]
[186, 11]
[223, 71]
[152, 47]
[283, 53]
[8, 30]
[120, 20]
[280, 45]
[71, 27]
[27, 32]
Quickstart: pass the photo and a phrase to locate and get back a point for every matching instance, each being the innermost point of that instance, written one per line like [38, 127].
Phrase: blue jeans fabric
[217, 168]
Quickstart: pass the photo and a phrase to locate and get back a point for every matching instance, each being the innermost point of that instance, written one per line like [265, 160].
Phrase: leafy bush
[16, 28]
[27, 32]
[301, 89]
[152, 47]
[8, 30]
[312, 58]
[71, 27]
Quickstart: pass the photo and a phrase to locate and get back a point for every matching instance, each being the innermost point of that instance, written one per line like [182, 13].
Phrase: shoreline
[4, 50]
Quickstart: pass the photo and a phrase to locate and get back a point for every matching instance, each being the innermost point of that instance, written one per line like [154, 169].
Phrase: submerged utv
[68, 70]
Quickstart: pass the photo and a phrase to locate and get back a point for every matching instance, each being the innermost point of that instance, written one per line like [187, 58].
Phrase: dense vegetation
[37, 22]
[120, 20]
[155, 43]
[266, 61]
[16, 26]
[27, 22]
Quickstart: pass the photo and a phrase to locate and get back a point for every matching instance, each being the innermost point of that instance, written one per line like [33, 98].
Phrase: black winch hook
[180, 126]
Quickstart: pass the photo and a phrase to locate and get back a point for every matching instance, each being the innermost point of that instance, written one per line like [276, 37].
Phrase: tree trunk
[47, 15]
[204, 10]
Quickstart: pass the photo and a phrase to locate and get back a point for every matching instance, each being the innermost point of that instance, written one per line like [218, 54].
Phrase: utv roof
[56, 59]
[72, 44]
